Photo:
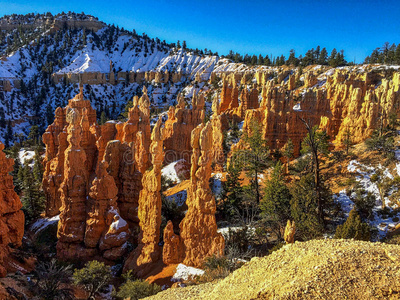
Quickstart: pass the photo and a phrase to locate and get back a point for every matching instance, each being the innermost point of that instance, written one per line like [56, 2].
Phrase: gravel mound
[318, 269]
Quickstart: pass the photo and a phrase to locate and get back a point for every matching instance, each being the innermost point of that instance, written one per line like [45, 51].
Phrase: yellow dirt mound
[318, 269]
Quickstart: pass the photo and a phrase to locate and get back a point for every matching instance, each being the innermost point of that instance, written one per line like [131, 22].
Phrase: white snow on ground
[41, 224]
[364, 178]
[170, 173]
[224, 231]
[184, 272]
[297, 107]
[25, 155]
[118, 224]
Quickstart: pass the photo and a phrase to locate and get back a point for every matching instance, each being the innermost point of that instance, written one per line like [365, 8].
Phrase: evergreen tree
[304, 207]
[260, 60]
[33, 199]
[275, 207]
[347, 140]
[267, 61]
[292, 60]
[233, 186]
[316, 143]
[103, 118]
[332, 58]
[256, 156]
[288, 150]
[397, 55]
[353, 228]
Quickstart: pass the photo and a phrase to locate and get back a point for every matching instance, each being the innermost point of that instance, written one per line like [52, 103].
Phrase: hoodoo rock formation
[348, 101]
[178, 128]
[11, 216]
[148, 251]
[93, 177]
[198, 230]
[125, 146]
[88, 211]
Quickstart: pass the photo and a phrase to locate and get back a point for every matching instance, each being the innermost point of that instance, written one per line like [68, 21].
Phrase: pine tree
[103, 118]
[323, 56]
[267, 61]
[256, 156]
[316, 143]
[304, 207]
[275, 206]
[397, 55]
[332, 58]
[353, 228]
[33, 199]
[347, 140]
[233, 186]
[288, 150]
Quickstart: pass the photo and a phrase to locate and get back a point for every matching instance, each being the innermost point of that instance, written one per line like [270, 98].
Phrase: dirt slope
[319, 269]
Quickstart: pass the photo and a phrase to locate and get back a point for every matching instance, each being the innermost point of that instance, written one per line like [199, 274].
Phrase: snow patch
[41, 224]
[184, 272]
[26, 155]
[169, 172]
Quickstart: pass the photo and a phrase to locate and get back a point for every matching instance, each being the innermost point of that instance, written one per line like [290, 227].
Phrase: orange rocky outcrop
[229, 94]
[347, 101]
[148, 251]
[11, 216]
[96, 172]
[126, 167]
[198, 230]
[88, 210]
[181, 121]
[55, 139]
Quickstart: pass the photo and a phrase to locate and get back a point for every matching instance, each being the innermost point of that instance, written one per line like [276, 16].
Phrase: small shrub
[353, 228]
[49, 278]
[275, 248]
[137, 289]
[364, 203]
[94, 277]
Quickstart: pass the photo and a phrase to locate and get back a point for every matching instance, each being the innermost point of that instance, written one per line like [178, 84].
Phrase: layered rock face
[347, 101]
[229, 94]
[128, 156]
[148, 251]
[93, 178]
[198, 230]
[181, 121]
[11, 216]
[89, 224]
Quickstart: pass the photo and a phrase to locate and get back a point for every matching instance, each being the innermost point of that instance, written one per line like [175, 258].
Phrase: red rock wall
[11, 216]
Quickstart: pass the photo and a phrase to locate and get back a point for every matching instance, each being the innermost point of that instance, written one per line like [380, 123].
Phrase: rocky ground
[318, 269]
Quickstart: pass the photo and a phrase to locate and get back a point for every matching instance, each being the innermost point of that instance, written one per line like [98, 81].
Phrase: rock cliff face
[128, 155]
[347, 101]
[86, 228]
[93, 178]
[148, 251]
[11, 216]
[198, 230]
[181, 121]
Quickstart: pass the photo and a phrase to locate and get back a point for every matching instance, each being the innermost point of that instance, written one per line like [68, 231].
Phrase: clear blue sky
[253, 27]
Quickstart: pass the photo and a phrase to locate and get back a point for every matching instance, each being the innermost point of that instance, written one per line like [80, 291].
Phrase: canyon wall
[347, 101]
[11, 216]
[198, 230]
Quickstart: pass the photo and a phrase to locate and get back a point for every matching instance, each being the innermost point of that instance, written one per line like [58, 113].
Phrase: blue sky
[253, 27]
